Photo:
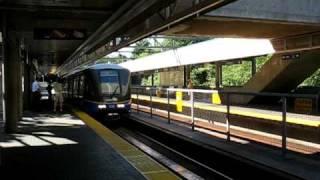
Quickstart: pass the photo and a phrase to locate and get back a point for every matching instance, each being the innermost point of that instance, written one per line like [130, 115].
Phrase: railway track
[181, 164]
[189, 160]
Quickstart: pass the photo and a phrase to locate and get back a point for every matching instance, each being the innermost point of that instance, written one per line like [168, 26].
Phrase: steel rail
[131, 139]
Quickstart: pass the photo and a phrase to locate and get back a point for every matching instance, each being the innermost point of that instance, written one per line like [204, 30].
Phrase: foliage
[116, 60]
[143, 49]
[176, 43]
[261, 60]
[313, 80]
[236, 74]
[147, 81]
[239, 74]
[204, 76]
[233, 75]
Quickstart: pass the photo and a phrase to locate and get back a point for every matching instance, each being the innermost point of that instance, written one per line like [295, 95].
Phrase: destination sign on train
[59, 34]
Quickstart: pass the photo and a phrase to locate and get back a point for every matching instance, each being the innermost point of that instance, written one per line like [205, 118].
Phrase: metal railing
[169, 91]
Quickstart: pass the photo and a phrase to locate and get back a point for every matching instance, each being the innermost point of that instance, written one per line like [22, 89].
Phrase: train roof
[97, 67]
[105, 66]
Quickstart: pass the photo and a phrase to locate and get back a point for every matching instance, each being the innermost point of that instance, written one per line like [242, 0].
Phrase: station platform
[297, 165]
[63, 146]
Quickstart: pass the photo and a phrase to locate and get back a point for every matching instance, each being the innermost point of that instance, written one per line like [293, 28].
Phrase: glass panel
[110, 84]
[81, 86]
[124, 78]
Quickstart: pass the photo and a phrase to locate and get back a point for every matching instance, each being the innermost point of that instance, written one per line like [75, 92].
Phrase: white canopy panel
[220, 49]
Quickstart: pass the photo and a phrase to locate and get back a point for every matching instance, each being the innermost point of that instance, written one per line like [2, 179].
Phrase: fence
[192, 96]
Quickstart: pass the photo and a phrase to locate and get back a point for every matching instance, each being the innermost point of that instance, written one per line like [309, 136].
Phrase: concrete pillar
[19, 89]
[1, 77]
[27, 84]
[186, 76]
[253, 67]
[152, 79]
[218, 75]
[13, 84]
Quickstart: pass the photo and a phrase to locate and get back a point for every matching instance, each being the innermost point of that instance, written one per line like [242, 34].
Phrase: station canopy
[219, 49]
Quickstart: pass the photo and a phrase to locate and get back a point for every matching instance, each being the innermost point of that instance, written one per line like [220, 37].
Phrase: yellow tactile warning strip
[235, 111]
[143, 163]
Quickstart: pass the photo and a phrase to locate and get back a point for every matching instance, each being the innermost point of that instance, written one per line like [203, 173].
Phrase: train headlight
[103, 106]
[121, 105]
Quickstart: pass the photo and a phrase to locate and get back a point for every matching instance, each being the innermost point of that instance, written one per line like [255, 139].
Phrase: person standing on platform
[58, 97]
[49, 89]
[36, 94]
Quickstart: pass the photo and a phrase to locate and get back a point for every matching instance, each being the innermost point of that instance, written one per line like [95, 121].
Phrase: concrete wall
[306, 11]
[281, 75]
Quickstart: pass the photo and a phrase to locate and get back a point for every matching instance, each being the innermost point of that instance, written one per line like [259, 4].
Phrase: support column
[186, 75]
[152, 79]
[27, 84]
[19, 88]
[253, 67]
[1, 80]
[218, 75]
[13, 84]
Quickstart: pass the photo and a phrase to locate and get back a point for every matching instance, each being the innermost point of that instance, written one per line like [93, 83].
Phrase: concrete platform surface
[299, 165]
[60, 146]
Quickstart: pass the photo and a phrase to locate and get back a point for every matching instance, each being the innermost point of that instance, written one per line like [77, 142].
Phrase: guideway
[265, 158]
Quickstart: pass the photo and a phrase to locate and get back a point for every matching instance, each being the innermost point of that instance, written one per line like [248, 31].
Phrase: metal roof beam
[58, 9]
[173, 14]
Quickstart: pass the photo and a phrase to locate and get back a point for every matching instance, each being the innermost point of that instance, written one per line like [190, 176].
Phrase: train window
[125, 81]
[110, 84]
[71, 87]
[75, 87]
[65, 89]
[81, 88]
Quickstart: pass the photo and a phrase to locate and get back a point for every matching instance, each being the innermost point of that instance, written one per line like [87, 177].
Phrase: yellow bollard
[216, 98]
[179, 101]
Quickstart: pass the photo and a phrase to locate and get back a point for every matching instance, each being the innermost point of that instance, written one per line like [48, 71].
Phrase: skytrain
[101, 89]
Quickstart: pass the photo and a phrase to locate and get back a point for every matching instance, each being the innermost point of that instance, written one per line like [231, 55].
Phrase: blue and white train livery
[101, 89]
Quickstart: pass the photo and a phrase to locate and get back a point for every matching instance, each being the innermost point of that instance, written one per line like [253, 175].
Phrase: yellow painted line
[300, 121]
[148, 167]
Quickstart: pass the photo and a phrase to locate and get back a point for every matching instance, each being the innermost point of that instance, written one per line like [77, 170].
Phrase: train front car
[107, 90]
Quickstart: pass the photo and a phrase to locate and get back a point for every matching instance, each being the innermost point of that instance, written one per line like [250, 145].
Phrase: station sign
[59, 34]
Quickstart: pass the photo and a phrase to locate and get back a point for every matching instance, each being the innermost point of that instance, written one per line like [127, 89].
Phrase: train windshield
[110, 82]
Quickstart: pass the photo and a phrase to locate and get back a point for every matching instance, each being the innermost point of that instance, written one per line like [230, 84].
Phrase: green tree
[176, 43]
[113, 60]
[143, 48]
[313, 80]
[239, 74]
[147, 81]
[203, 76]
[236, 74]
